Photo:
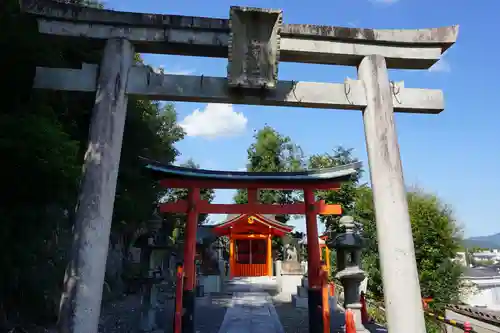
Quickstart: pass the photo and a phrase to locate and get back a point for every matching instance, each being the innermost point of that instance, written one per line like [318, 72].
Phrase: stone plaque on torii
[254, 40]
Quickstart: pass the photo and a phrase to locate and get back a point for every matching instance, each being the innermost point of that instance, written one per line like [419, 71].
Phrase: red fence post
[365, 318]
[467, 327]
[350, 326]
[325, 299]
[178, 299]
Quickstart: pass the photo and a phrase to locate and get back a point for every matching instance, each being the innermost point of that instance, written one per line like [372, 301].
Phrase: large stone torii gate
[254, 41]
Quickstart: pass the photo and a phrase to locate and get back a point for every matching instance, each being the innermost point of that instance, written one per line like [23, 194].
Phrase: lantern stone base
[301, 299]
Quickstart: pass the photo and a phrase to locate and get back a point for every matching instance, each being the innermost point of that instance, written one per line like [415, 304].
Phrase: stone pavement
[251, 312]
[256, 306]
[210, 312]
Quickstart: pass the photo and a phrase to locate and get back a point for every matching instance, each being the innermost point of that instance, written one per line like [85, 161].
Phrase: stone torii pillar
[403, 301]
[83, 282]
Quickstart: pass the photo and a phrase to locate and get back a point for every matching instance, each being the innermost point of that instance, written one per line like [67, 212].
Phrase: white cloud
[216, 120]
[300, 225]
[177, 71]
[353, 24]
[442, 66]
[188, 71]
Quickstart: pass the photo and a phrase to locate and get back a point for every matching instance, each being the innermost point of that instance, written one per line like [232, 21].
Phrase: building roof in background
[481, 272]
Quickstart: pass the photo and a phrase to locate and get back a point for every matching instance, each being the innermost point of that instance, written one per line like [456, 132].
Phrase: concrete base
[290, 283]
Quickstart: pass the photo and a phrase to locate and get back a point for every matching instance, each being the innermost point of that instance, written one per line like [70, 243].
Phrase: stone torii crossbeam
[254, 41]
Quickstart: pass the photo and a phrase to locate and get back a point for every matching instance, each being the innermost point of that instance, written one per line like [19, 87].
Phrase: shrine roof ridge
[340, 173]
[442, 37]
[265, 217]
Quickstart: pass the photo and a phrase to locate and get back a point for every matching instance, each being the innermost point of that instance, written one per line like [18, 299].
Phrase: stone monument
[349, 245]
[291, 264]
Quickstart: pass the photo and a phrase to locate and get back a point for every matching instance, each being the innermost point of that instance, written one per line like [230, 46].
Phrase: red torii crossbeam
[307, 181]
[204, 207]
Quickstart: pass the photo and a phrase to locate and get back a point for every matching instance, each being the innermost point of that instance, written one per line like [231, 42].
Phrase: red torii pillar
[315, 297]
[189, 292]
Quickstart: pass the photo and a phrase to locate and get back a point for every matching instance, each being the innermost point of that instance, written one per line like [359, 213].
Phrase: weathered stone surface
[209, 43]
[442, 36]
[209, 37]
[81, 299]
[253, 50]
[145, 83]
[397, 252]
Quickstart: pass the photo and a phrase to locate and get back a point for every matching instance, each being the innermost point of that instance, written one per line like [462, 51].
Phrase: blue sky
[451, 154]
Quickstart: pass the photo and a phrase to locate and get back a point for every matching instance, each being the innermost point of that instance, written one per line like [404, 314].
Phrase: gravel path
[210, 312]
[121, 315]
[294, 320]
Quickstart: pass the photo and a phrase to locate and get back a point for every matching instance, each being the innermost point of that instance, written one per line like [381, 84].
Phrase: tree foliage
[273, 152]
[346, 195]
[176, 222]
[436, 237]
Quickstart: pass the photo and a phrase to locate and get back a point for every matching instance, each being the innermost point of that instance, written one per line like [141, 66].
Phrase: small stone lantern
[152, 244]
[348, 245]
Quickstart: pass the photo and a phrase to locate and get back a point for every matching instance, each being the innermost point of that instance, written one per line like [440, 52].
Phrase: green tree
[273, 152]
[176, 222]
[346, 195]
[436, 237]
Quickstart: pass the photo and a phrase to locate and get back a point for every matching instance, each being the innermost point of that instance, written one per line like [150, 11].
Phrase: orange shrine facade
[250, 242]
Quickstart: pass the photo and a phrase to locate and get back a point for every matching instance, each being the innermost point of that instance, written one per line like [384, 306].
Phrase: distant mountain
[492, 241]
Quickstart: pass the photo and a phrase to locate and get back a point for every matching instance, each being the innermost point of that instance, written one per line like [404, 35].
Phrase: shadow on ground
[296, 320]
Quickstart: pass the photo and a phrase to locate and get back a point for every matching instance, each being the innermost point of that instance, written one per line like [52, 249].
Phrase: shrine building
[250, 242]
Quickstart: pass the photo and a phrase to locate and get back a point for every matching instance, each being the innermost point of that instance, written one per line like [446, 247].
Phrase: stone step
[302, 291]
[305, 282]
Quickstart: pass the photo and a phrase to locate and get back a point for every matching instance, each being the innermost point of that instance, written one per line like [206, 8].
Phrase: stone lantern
[154, 225]
[153, 244]
[348, 245]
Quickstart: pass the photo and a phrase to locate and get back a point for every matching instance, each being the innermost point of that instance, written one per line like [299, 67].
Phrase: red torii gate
[308, 181]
